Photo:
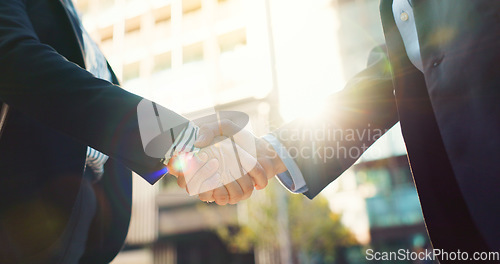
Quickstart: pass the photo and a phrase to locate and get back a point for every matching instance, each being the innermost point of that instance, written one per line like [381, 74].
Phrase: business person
[69, 139]
[438, 75]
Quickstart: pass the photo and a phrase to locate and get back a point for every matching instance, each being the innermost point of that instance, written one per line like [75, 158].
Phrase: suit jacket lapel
[77, 31]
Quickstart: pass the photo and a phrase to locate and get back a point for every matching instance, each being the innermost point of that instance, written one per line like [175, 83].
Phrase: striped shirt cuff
[184, 143]
[95, 161]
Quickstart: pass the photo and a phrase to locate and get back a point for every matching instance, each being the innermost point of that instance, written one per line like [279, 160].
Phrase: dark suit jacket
[449, 115]
[57, 109]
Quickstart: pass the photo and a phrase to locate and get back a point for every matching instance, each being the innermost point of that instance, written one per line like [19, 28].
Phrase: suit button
[404, 16]
[437, 61]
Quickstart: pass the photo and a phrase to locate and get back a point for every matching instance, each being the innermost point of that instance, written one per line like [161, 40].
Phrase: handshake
[213, 157]
[224, 163]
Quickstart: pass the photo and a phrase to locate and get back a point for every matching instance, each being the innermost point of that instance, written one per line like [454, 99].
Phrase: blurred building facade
[272, 59]
[194, 57]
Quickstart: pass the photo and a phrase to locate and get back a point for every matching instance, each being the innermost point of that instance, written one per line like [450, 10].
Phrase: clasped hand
[230, 164]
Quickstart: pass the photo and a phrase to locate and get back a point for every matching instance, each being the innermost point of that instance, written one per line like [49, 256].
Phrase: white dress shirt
[405, 21]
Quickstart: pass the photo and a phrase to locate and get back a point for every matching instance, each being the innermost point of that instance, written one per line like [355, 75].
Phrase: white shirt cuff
[292, 179]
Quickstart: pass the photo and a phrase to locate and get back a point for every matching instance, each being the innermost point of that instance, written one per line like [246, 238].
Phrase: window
[106, 33]
[192, 18]
[131, 71]
[189, 6]
[163, 62]
[233, 40]
[193, 53]
[106, 39]
[132, 33]
[233, 59]
[133, 25]
[162, 14]
[163, 23]
[83, 6]
[104, 4]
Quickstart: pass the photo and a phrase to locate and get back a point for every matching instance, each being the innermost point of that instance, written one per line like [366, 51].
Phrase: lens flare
[180, 164]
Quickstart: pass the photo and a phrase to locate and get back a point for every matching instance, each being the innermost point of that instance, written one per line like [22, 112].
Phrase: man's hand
[192, 166]
[268, 162]
[234, 157]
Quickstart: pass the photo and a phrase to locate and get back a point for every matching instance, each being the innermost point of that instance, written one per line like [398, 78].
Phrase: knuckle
[247, 185]
[246, 196]
[247, 188]
[234, 201]
[221, 197]
[264, 183]
[204, 195]
[260, 173]
[220, 203]
[236, 196]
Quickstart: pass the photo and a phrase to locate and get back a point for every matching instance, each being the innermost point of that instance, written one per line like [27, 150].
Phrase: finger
[246, 185]
[259, 176]
[242, 163]
[268, 167]
[235, 192]
[221, 196]
[181, 182]
[255, 170]
[207, 196]
[206, 178]
[247, 161]
[210, 184]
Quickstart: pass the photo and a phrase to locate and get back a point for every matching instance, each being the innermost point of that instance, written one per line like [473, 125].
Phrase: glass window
[191, 6]
[163, 62]
[131, 71]
[192, 53]
[163, 23]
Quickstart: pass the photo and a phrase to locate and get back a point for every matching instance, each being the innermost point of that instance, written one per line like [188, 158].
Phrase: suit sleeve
[325, 146]
[39, 82]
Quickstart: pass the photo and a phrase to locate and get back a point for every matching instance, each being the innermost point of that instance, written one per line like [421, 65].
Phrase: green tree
[314, 229]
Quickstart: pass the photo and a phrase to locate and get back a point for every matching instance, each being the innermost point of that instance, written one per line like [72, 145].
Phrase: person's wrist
[267, 152]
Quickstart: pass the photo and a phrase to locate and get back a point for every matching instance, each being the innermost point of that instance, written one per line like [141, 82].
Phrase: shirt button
[404, 16]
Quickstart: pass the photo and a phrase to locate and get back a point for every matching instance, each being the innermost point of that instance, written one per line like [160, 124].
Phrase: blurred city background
[274, 60]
